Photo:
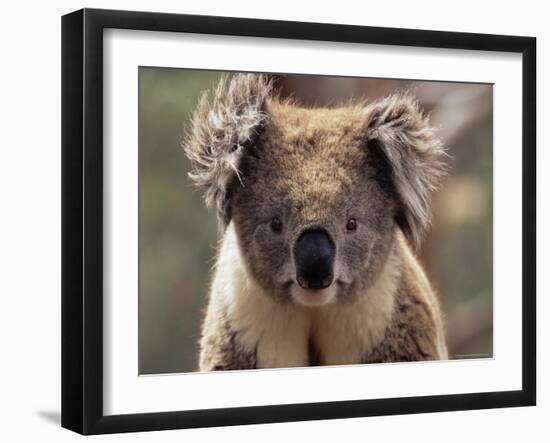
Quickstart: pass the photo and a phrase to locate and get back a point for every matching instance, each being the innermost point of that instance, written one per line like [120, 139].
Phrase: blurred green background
[178, 235]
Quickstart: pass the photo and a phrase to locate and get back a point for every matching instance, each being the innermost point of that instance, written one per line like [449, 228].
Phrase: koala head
[315, 195]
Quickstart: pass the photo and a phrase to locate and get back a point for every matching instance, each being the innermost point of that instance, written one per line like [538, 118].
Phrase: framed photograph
[270, 221]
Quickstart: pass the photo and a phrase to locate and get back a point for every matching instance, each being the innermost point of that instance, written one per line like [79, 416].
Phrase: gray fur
[414, 153]
[220, 132]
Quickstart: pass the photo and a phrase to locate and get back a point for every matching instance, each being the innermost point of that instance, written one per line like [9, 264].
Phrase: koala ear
[401, 131]
[221, 131]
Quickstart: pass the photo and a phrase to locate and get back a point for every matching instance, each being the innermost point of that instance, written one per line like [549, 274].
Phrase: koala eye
[351, 225]
[276, 224]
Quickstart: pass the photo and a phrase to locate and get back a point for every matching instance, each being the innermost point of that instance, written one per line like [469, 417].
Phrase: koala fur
[362, 175]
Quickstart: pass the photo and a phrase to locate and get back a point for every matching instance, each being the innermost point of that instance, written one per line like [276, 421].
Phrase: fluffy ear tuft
[221, 130]
[415, 155]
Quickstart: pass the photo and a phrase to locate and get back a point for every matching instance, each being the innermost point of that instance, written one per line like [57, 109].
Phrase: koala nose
[314, 257]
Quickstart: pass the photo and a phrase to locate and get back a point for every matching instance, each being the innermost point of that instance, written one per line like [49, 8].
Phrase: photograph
[295, 220]
[272, 221]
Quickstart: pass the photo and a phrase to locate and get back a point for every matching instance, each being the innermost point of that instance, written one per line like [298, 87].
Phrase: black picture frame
[82, 220]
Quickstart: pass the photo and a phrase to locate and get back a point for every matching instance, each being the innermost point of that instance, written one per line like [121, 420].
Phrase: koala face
[315, 212]
[315, 195]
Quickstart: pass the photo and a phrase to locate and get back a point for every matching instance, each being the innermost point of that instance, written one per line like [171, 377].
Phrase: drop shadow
[54, 417]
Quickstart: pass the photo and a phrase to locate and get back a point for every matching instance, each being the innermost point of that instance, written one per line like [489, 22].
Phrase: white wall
[30, 217]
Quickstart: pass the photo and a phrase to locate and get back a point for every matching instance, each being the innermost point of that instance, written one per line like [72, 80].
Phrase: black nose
[314, 258]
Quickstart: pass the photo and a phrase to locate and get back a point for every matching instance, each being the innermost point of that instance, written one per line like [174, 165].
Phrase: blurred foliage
[178, 235]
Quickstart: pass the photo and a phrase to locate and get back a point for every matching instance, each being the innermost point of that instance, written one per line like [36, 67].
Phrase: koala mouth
[313, 297]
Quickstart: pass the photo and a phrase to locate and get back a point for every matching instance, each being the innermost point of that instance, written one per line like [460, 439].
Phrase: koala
[321, 211]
